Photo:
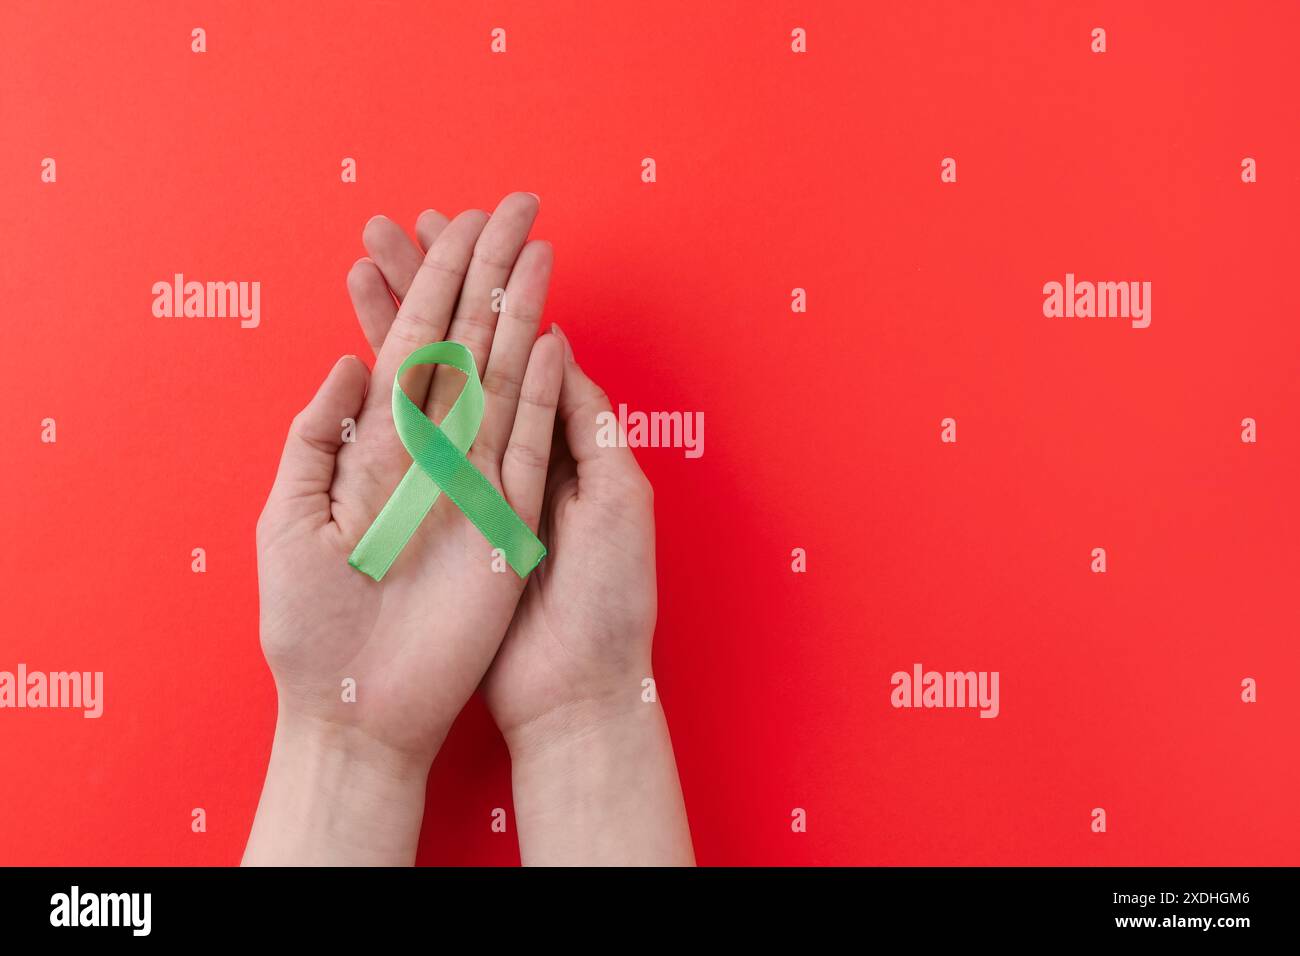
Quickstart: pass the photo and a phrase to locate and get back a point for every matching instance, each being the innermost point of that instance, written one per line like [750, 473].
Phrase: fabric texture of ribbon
[439, 466]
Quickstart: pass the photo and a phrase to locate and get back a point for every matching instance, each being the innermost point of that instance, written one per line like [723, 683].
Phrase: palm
[411, 659]
[583, 627]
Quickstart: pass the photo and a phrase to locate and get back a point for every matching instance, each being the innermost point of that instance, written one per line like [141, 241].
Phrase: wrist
[593, 720]
[336, 796]
[596, 784]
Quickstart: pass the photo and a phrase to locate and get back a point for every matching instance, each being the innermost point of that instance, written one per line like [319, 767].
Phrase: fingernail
[537, 197]
[568, 347]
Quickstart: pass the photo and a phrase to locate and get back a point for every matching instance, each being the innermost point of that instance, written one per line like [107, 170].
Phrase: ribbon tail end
[373, 575]
[523, 570]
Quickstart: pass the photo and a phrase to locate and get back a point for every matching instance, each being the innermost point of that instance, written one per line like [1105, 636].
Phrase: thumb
[585, 410]
[302, 484]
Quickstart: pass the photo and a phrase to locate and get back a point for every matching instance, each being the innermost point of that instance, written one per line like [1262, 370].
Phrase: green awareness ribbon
[439, 466]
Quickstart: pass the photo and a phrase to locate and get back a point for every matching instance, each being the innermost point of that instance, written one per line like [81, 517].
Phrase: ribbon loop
[439, 466]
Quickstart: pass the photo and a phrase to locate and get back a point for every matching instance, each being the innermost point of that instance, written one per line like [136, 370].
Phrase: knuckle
[528, 313]
[412, 329]
[263, 531]
[538, 398]
[492, 257]
[527, 455]
[474, 330]
[594, 404]
[642, 489]
[444, 265]
[500, 386]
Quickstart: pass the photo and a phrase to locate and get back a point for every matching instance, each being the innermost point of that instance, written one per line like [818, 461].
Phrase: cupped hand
[393, 661]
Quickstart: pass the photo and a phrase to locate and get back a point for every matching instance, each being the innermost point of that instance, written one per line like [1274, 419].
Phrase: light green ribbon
[439, 466]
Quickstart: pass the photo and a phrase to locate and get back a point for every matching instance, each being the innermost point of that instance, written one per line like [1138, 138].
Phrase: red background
[775, 170]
